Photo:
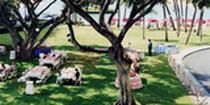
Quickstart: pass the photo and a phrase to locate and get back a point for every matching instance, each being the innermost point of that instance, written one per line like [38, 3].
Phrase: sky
[157, 13]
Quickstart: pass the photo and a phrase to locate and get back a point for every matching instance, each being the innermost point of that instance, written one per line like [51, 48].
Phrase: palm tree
[119, 16]
[186, 14]
[143, 31]
[202, 4]
[192, 23]
[181, 6]
[170, 16]
[200, 23]
[177, 13]
[125, 9]
[165, 22]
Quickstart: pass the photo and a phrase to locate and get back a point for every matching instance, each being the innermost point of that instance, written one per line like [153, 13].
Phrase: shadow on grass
[163, 41]
[93, 91]
[97, 88]
[164, 88]
[21, 65]
[72, 48]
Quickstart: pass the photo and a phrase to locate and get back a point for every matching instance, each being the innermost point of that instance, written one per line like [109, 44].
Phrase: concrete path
[199, 64]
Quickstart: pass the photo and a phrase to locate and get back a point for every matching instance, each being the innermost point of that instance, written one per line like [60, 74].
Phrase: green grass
[88, 36]
[163, 88]
[5, 39]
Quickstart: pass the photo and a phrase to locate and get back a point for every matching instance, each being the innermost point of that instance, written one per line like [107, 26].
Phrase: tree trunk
[16, 38]
[179, 19]
[186, 15]
[181, 5]
[200, 23]
[143, 30]
[119, 14]
[177, 14]
[118, 55]
[125, 10]
[26, 48]
[192, 23]
[170, 16]
[165, 23]
[24, 52]
[125, 90]
[201, 33]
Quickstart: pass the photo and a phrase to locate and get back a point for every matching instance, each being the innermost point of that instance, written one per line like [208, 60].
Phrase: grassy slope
[99, 73]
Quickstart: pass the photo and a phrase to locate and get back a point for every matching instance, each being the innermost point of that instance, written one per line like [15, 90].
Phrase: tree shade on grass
[99, 71]
[98, 85]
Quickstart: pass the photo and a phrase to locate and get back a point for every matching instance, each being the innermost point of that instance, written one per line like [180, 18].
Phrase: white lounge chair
[7, 71]
[40, 74]
[70, 76]
[53, 60]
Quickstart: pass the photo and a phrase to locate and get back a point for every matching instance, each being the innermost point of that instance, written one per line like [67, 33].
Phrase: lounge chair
[7, 71]
[53, 60]
[39, 74]
[70, 76]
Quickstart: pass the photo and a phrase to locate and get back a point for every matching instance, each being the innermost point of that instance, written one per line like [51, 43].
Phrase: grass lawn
[163, 88]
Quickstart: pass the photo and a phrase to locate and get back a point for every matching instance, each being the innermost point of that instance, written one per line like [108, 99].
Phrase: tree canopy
[25, 42]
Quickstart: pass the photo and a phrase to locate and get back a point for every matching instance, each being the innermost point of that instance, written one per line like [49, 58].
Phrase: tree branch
[48, 6]
[20, 19]
[7, 23]
[103, 31]
[47, 34]
[55, 23]
[51, 21]
[79, 46]
[36, 5]
[30, 10]
[103, 11]
[130, 23]
[115, 11]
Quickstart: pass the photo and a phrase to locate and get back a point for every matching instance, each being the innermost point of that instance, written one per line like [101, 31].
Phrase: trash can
[29, 88]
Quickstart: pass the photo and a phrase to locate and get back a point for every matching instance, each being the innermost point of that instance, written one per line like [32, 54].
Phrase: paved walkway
[199, 63]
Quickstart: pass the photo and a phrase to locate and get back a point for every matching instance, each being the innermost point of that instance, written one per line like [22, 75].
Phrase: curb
[188, 80]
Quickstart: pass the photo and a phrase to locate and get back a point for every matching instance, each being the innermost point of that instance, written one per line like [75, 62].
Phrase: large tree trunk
[118, 55]
[192, 24]
[24, 53]
[200, 23]
[26, 47]
[170, 16]
[125, 91]
[165, 23]
[186, 15]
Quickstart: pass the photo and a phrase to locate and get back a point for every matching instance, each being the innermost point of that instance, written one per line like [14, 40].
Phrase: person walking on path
[150, 47]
